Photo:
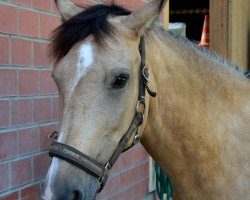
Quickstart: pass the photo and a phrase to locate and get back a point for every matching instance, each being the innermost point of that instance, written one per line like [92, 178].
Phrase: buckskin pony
[196, 128]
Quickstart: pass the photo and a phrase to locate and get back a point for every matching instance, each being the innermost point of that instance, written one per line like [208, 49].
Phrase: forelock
[92, 21]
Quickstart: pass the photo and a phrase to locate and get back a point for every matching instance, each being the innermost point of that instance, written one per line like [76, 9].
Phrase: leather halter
[92, 166]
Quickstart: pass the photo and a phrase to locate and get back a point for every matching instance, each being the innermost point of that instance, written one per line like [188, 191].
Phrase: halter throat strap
[93, 167]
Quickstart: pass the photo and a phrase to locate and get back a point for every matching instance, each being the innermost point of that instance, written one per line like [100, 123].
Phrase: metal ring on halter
[53, 136]
[146, 74]
[140, 102]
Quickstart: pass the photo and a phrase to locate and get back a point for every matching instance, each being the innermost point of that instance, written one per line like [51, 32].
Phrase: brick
[118, 165]
[89, 3]
[144, 187]
[44, 132]
[120, 2]
[28, 23]
[54, 8]
[28, 140]
[125, 180]
[137, 4]
[128, 158]
[8, 144]
[20, 52]
[130, 177]
[127, 194]
[43, 5]
[21, 172]
[4, 177]
[55, 108]
[12, 196]
[134, 175]
[135, 156]
[129, 4]
[4, 50]
[4, 114]
[28, 82]
[157, 197]
[76, 1]
[8, 19]
[140, 190]
[31, 192]
[41, 165]
[48, 24]
[117, 197]
[8, 82]
[42, 110]
[112, 187]
[21, 112]
[41, 55]
[23, 2]
[47, 83]
[137, 192]
[143, 170]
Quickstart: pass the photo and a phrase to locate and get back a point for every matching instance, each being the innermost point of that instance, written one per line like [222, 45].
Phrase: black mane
[91, 21]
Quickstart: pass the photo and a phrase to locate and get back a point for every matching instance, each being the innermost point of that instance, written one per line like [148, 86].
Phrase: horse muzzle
[67, 182]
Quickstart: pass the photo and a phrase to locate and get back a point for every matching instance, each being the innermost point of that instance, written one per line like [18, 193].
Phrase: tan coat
[197, 128]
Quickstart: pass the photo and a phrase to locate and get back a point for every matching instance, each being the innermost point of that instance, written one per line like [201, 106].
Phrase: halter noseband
[92, 166]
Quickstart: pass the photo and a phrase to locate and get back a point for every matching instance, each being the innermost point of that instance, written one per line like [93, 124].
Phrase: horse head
[97, 72]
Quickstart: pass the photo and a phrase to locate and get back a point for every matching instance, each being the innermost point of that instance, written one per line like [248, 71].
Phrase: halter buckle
[104, 174]
[107, 166]
[103, 179]
[146, 74]
[137, 136]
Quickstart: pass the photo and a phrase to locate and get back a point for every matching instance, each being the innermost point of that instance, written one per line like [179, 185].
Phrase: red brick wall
[29, 106]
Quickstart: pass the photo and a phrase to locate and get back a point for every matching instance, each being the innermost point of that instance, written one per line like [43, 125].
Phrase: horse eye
[120, 81]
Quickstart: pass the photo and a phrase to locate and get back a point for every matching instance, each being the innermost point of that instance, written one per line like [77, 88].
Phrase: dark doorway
[192, 13]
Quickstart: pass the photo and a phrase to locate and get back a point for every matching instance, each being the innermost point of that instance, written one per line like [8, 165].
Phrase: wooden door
[230, 30]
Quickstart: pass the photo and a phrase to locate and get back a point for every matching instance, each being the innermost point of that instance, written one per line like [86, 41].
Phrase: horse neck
[182, 132]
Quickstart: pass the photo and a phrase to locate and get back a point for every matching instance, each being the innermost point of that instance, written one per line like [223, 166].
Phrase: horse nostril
[76, 195]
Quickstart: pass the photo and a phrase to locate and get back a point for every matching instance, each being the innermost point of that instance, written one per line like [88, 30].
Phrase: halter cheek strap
[93, 167]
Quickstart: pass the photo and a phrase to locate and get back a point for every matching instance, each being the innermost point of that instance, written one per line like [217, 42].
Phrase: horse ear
[143, 18]
[67, 9]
